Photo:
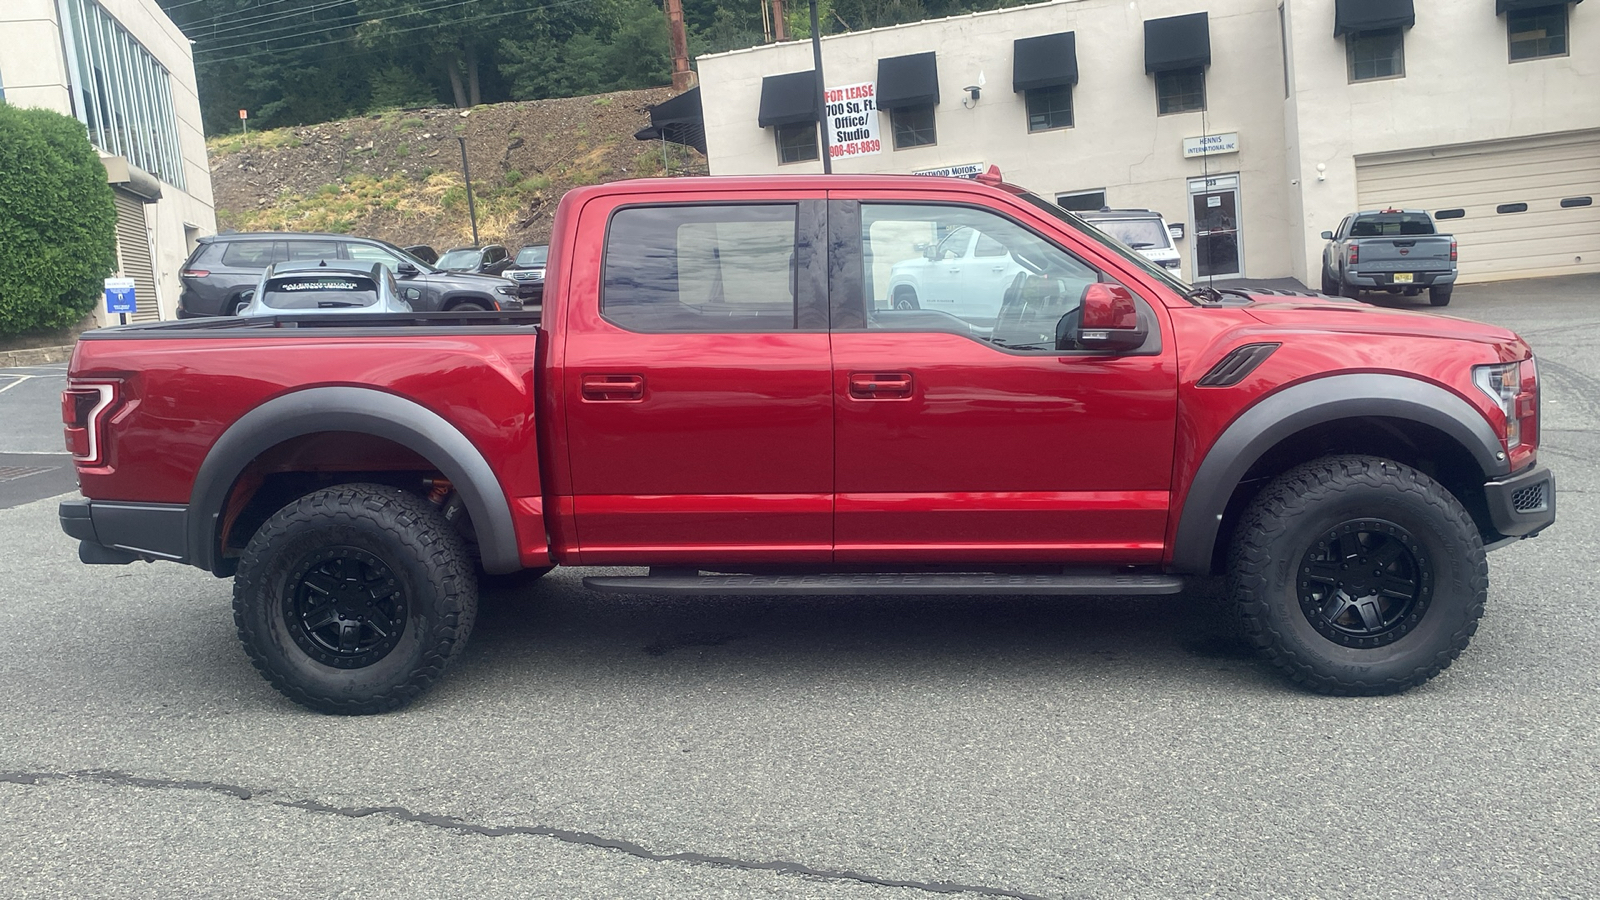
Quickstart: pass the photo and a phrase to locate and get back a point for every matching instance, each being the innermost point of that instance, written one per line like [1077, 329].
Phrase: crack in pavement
[450, 823]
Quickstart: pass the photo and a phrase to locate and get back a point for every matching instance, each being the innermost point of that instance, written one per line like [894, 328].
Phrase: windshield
[1110, 243]
[1138, 234]
[460, 260]
[320, 291]
[533, 256]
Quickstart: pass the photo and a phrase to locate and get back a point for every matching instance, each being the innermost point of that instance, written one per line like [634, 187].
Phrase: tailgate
[1422, 253]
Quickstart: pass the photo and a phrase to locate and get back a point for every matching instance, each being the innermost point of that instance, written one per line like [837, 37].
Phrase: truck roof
[736, 183]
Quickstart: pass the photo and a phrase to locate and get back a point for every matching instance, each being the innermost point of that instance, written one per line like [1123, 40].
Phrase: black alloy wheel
[1365, 583]
[346, 607]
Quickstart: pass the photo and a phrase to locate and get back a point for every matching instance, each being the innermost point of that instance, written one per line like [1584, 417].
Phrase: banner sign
[853, 120]
[964, 170]
[119, 296]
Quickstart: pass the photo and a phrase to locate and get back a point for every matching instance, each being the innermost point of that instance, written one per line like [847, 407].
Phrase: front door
[974, 439]
[699, 415]
[1218, 251]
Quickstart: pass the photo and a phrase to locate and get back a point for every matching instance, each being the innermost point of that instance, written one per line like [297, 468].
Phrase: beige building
[127, 73]
[1253, 124]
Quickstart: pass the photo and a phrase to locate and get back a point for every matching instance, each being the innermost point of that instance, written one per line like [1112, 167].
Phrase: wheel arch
[455, 298]
[1393, 415]
[362, 411]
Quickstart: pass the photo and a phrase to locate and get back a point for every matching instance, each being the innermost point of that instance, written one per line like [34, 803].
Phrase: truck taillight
[83, 410]
[1452, 251]
[1355, 254]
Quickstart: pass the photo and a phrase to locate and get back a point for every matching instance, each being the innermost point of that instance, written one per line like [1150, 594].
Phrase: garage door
[133, 251]
[1518, 208]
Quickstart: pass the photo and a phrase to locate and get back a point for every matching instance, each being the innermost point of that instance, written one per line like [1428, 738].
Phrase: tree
[57, 222]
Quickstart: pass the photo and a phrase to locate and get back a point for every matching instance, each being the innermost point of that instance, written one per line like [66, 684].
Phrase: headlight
[507, 289]
[1503, 383]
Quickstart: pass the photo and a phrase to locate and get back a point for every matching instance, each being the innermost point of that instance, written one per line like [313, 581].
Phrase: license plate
[1402, 278]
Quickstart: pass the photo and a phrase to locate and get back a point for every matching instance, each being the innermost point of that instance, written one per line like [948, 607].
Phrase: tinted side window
[701, 269]
[248, 254]
[1016, 297]
[313, 250]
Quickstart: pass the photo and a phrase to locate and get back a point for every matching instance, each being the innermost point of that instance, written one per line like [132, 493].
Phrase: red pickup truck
[723, 389]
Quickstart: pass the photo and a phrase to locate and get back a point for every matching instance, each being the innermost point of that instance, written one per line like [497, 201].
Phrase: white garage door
[133, 251]
[1519, 208]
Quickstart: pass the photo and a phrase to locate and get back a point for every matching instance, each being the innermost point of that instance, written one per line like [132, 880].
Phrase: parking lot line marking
[19, 379]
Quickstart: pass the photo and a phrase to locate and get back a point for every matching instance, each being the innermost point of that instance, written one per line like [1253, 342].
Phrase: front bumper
[117, 533]
[1524, 504]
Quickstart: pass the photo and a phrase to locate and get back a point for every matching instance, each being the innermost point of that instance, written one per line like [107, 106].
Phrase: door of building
[1218, 248]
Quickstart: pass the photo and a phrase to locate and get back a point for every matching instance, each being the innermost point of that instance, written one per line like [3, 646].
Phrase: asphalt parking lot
[592, 745]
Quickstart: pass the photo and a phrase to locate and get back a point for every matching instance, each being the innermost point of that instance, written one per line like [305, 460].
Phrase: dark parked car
[490, 260]
[223, 268]
[423, 252]
[527, 270]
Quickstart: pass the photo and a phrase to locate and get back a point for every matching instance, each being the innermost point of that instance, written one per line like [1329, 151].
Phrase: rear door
[975, 440]
[696, 383]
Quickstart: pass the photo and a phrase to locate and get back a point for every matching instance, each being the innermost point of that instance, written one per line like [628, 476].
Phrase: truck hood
[1314, 312]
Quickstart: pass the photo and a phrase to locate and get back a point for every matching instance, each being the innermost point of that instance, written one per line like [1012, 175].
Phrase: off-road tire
[423, 560]
[1440, 296]
[1310, 505]
[1330, 288]
[1349, 290]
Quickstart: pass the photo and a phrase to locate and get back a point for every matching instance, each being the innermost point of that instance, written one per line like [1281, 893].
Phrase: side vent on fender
[1236, 365]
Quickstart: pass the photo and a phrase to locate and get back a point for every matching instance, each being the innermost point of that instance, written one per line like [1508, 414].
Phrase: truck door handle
[880, 385]
[613, 387]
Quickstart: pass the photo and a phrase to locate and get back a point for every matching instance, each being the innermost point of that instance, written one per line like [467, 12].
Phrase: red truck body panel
[769, 449]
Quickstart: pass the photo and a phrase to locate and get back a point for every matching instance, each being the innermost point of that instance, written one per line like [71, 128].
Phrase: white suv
[1142, 230]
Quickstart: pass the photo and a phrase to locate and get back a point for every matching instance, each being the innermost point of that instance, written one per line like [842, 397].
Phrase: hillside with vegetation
[299, 62]
[397, 175]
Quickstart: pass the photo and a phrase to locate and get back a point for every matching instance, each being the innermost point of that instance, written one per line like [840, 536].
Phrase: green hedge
[58, 224]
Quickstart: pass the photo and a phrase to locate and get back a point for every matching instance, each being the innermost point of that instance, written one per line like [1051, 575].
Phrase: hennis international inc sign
[853, 120]
[1211, 144]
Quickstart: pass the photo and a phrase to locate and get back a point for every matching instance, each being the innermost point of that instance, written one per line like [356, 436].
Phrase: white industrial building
[127, 73]
[1254, 124]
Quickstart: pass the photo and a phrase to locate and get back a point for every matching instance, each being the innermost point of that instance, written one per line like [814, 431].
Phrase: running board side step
[879, 584]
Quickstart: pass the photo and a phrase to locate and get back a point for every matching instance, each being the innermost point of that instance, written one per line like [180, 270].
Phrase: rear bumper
[118, 533]
[1524, 504]
[1386, 279]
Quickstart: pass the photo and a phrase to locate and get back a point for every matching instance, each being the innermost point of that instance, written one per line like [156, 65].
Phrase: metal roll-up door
[133, 252]
[1527, 207]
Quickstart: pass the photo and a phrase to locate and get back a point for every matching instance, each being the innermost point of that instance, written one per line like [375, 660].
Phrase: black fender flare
[365, 411]
[446, 300]
[1299, 407]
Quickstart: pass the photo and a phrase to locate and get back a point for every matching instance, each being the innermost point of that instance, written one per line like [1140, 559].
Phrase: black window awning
[1501, 7]
[1044, 61]
[1177, 42]
[788, 99]
[908, 81]
[679, 120]
[1371, 15]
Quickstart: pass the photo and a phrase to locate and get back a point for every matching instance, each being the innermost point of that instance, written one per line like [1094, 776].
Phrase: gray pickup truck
[1393, 250]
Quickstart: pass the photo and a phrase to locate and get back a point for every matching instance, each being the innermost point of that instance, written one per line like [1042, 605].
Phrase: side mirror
[406, 270]
[1109, 319]
[1327, 235]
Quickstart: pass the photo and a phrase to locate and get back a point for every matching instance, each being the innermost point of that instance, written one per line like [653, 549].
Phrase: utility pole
[822, 98]
[681, 76]
[780, 30]
[466, 174]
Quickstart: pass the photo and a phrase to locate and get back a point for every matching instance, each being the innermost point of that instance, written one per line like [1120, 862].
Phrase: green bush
[58, 224]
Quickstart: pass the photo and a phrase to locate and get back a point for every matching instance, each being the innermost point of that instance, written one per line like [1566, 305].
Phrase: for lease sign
[853, 120]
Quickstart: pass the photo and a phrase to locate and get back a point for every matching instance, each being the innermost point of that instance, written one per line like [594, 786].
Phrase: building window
[120, 93]
[1376, 54]
[1083, 201]
[796, 143]
[913, 126]
[1182, 90]
[1049, 107]
[1537, 33]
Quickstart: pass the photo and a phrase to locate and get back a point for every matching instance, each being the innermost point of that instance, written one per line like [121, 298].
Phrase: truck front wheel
[353, 599]
[1358, 575]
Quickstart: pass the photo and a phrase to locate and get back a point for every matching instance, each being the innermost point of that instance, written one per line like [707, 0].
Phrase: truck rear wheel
[1349, 290]
[353, 599]
[1357, 575]
[1330, 287]
[1439, 295]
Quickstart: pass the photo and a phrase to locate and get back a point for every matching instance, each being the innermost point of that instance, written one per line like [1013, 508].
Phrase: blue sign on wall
[119, 296]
